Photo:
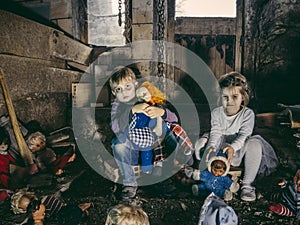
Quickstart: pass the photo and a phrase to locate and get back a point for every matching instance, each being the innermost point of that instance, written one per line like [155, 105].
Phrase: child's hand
[39, 215]
[139, 108]
[230, 151]
[154, 112]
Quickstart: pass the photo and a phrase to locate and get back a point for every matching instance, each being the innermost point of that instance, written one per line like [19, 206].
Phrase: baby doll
[215, 179]
[46, 158]
[143, 130]
[24, 201]
[6, 182]
[287, 198]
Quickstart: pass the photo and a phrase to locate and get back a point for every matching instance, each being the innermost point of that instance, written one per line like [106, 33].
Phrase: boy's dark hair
[218, 164]
[120, 73]
[4, 137]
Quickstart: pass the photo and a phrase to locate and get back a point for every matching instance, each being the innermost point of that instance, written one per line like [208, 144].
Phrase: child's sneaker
[128, 193]
[248, 193]
[195, 190]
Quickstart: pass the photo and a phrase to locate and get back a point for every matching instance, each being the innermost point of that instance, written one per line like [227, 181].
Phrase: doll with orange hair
[144, 130]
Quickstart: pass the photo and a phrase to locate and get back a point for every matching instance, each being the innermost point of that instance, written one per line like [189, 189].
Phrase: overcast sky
[206, 8]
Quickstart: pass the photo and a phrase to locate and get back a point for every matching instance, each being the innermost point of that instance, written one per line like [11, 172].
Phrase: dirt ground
[181, 207]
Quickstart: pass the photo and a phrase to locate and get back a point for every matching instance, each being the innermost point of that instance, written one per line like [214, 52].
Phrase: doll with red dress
[45, 158]
[6, 181]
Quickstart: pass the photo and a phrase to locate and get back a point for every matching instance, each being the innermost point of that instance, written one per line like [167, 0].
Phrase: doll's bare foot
[59, 172]
[72, 158]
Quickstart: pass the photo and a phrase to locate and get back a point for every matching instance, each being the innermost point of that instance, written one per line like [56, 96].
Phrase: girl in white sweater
[231, 129]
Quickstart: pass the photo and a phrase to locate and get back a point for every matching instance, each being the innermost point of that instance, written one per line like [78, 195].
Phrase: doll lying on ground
[45, 158]
[215, 179]
[144, 130]
[286, 199]
[6, 181]
[24, 201]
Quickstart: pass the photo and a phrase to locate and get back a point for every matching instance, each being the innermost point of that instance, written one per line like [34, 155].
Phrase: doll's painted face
[218, 168]
[3, 147]
[143, 93]
[24, 203]
[37, 145]
[217, 172]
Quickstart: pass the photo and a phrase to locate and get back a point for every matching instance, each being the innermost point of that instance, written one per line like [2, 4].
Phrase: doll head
[4, 139]
[36, 141]
[218, 165]
[124, 214]
[149, 93]
[23, 201]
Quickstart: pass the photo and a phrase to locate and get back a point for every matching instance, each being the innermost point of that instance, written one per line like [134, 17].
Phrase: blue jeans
[126, 157]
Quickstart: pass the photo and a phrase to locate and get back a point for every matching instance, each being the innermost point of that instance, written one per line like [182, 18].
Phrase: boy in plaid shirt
[123, 84]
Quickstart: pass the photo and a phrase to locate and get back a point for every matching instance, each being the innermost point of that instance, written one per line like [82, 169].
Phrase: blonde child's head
[36, 141]
[236, 80]
[124, 214]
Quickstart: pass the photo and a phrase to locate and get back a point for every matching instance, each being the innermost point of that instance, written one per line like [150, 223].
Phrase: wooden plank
[205, 26]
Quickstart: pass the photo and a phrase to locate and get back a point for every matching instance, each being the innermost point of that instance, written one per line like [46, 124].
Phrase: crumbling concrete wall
[34, 60]
[271, 51]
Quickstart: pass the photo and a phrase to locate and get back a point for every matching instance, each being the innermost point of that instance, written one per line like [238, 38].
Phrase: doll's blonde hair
[125, 214]
[16, 197]
[156, 95]
[32, 138]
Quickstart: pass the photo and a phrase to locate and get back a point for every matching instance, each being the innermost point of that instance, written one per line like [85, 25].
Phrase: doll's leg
[146, 158]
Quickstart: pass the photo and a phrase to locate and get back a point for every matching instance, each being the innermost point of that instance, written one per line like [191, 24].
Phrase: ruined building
[48, 46]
